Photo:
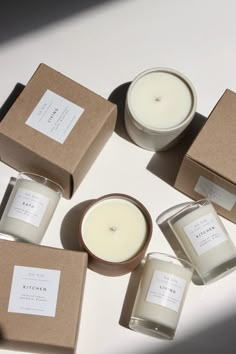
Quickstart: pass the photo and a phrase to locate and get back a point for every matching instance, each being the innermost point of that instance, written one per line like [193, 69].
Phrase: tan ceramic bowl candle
[115, 231]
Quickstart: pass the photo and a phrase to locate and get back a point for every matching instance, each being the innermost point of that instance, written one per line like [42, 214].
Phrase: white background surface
[104, 46]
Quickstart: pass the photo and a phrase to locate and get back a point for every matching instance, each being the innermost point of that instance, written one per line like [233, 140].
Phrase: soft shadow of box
[208, 168]
[56, 128]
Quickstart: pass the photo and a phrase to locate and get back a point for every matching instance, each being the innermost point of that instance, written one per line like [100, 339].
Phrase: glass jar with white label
[161, 294]
[202, 237]
[30, 208]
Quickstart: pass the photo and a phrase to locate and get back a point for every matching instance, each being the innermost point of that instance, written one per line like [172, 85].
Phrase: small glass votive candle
[161, 294]
[202, 237]
[30, 208]
[160, 104]
[115, 231]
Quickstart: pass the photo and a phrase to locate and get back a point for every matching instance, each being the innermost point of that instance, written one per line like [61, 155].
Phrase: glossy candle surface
[114, 229]
[29, 210]
[160, 298]
[160, 100]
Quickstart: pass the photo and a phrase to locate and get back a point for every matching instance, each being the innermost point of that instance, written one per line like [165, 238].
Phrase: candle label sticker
[205, 233]
[166, 290]
[54, 116]
[34, 291]
[215, 193]
[28, 206]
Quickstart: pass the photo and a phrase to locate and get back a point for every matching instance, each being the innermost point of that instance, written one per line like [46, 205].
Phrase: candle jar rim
[137, 258]
[177, 210]
[151, 129]
[158, 255]
[42, 180]
[186, 210]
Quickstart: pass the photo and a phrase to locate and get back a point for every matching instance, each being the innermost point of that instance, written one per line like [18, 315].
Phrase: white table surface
[104, 46]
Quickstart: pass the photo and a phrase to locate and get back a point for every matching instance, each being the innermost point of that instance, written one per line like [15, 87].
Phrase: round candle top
[160, 100]
[114, 229]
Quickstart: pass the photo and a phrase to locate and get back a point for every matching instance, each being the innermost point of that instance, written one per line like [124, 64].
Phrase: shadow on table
[17, 18]
[166, 164]
[118, 97]
[218, 338]
[11, 99]
[70, 226]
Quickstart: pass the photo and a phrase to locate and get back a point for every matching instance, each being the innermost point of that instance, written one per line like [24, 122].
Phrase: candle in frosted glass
[161, 294]
[204, 239]
[30, 208]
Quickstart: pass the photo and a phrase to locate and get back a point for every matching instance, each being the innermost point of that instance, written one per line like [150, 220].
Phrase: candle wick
[113, 228]
[158, 99]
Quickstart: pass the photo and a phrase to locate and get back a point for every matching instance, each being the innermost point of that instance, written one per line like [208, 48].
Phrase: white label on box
[166, 290]
[34, 291]
[54, 116]
[205, 233]
[216, 193]
[28, 206]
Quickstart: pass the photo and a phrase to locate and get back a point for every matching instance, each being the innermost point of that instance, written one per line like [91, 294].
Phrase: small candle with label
[203, 238]
[30, 208]
[161, 294]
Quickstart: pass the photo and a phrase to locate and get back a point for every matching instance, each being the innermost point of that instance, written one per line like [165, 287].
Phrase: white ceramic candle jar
[161, 294]
[30, 208]
[203, 238]
[115, 231]
[160, 104]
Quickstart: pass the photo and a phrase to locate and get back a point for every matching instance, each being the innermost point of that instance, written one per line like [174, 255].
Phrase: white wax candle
[204, 239]
[160, 104]
[160, 297]
[29, 210]
[160, 100]
[114, 229]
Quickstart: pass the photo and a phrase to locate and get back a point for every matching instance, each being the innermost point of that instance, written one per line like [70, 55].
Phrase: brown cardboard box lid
[36, 332]
[215, 146]
[24, 147]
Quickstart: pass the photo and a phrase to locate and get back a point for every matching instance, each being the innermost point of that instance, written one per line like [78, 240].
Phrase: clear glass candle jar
[202, 236]
[30, 208]
[161, 294]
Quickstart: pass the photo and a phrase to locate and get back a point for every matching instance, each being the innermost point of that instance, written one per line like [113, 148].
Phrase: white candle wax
[114, 229]
[29, 210]
[204, 239]
[160, 104]
[160, 100]
[160, 297]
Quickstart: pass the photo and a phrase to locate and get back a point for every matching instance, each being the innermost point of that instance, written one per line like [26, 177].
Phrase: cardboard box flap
[215, 146]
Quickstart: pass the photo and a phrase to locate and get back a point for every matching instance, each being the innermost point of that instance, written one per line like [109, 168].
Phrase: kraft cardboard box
[56, 128]
[209, 167]
[41, 297]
